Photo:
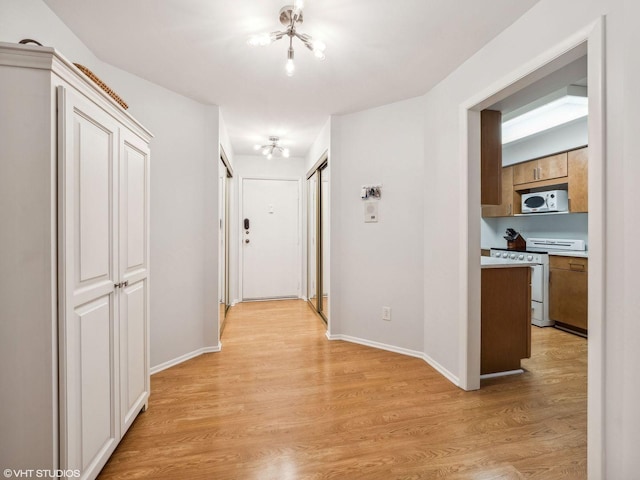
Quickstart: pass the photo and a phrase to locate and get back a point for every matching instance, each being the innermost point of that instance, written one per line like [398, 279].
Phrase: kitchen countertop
[490, 262]
[569, 253]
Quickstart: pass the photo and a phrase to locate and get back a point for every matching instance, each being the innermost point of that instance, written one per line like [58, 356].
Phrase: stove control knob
[512, 256]
[520, 257]
[529, 257]
[505, 255]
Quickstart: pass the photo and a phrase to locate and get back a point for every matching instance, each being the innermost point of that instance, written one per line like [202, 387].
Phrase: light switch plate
[370, 212]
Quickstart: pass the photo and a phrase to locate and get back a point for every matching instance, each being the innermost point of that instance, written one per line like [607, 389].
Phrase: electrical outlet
[386, 313]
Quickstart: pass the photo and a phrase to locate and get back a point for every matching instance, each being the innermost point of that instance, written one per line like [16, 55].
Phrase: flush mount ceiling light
[272, 148]
[553, 110]
[290, 17]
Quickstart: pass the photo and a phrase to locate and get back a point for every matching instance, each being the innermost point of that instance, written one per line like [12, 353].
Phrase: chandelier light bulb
[270, 156]
[318, 46]
[257, 147]
[319, 54]
[285, 153]
[261, 40]
[290, 67]
[265, 151]
[298, 4]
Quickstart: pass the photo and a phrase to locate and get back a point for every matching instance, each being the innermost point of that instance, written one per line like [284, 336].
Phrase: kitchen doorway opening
[591, 42]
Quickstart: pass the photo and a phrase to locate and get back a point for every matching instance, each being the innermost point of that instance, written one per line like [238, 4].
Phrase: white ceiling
[378, 51]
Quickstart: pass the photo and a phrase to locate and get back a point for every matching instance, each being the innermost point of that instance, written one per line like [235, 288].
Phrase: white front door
[270, 246]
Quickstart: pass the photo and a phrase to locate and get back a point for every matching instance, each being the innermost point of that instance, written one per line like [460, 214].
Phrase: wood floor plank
[282, 402]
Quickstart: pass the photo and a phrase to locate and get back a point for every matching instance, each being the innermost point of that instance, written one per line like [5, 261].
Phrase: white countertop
[569, 253]
[491, 262]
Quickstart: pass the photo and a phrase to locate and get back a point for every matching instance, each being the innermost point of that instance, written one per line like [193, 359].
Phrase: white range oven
[537, 252]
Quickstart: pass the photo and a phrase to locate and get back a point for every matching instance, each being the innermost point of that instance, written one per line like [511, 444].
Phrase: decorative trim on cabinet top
[48, 58]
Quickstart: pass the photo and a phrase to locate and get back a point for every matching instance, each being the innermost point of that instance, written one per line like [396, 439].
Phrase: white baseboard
[381, 346]
[441, 370]
[501, 374]
[184, 358]
[403, 351]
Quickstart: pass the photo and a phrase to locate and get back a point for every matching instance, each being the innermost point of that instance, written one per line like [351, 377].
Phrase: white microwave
[549, 201]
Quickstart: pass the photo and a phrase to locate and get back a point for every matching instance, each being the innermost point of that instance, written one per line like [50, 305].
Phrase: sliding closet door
[312, 244]
[224, 295]
[318, 238]
[323, 264]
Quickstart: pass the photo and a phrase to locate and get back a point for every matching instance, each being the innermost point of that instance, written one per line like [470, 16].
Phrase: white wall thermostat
[370, 212]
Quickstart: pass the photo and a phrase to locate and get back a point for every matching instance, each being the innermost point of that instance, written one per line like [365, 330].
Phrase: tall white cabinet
[74, 214]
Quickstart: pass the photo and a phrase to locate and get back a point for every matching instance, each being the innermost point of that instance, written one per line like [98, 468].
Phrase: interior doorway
[270, 238]
[318, 237]
[591, 40]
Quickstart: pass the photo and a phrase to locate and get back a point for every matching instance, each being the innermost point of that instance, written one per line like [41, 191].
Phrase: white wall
[319, 146]
[186, 139]
[378, 264]
[507, 53]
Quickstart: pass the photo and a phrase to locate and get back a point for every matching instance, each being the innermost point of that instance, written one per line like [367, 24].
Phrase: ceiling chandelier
[272, 148]
[290, 16]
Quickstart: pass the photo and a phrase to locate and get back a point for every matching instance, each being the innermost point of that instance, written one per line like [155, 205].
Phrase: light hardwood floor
[282, 402]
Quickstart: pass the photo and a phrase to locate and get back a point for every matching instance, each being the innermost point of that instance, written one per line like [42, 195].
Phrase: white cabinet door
[87, 223]
[134, 271]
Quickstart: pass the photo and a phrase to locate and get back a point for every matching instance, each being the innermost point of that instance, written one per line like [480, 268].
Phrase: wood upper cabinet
[547, 168]
[578, 180]
[506, 207]
[568, 292]
[490, 157]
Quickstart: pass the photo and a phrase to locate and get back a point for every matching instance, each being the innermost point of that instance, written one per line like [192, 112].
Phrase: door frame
[469, 324]
[241, 180]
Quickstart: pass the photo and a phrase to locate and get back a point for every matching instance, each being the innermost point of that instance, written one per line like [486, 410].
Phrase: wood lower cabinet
[505, 318]
[88, 263]
[568, 290]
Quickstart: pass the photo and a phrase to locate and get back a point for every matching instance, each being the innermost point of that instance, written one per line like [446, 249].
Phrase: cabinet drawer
[577, 264]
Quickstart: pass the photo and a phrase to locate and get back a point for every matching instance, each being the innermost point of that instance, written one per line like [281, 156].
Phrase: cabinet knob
[246, 241]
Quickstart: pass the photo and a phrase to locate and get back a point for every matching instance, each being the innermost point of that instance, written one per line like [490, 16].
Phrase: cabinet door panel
[90, 405]
[134, 208]
[134, 270]
[524, 172]
[88, 370]
[554, 166]
[133, 347]
[92, 187]
[505, 209]
[578, 180]
[568, 297]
